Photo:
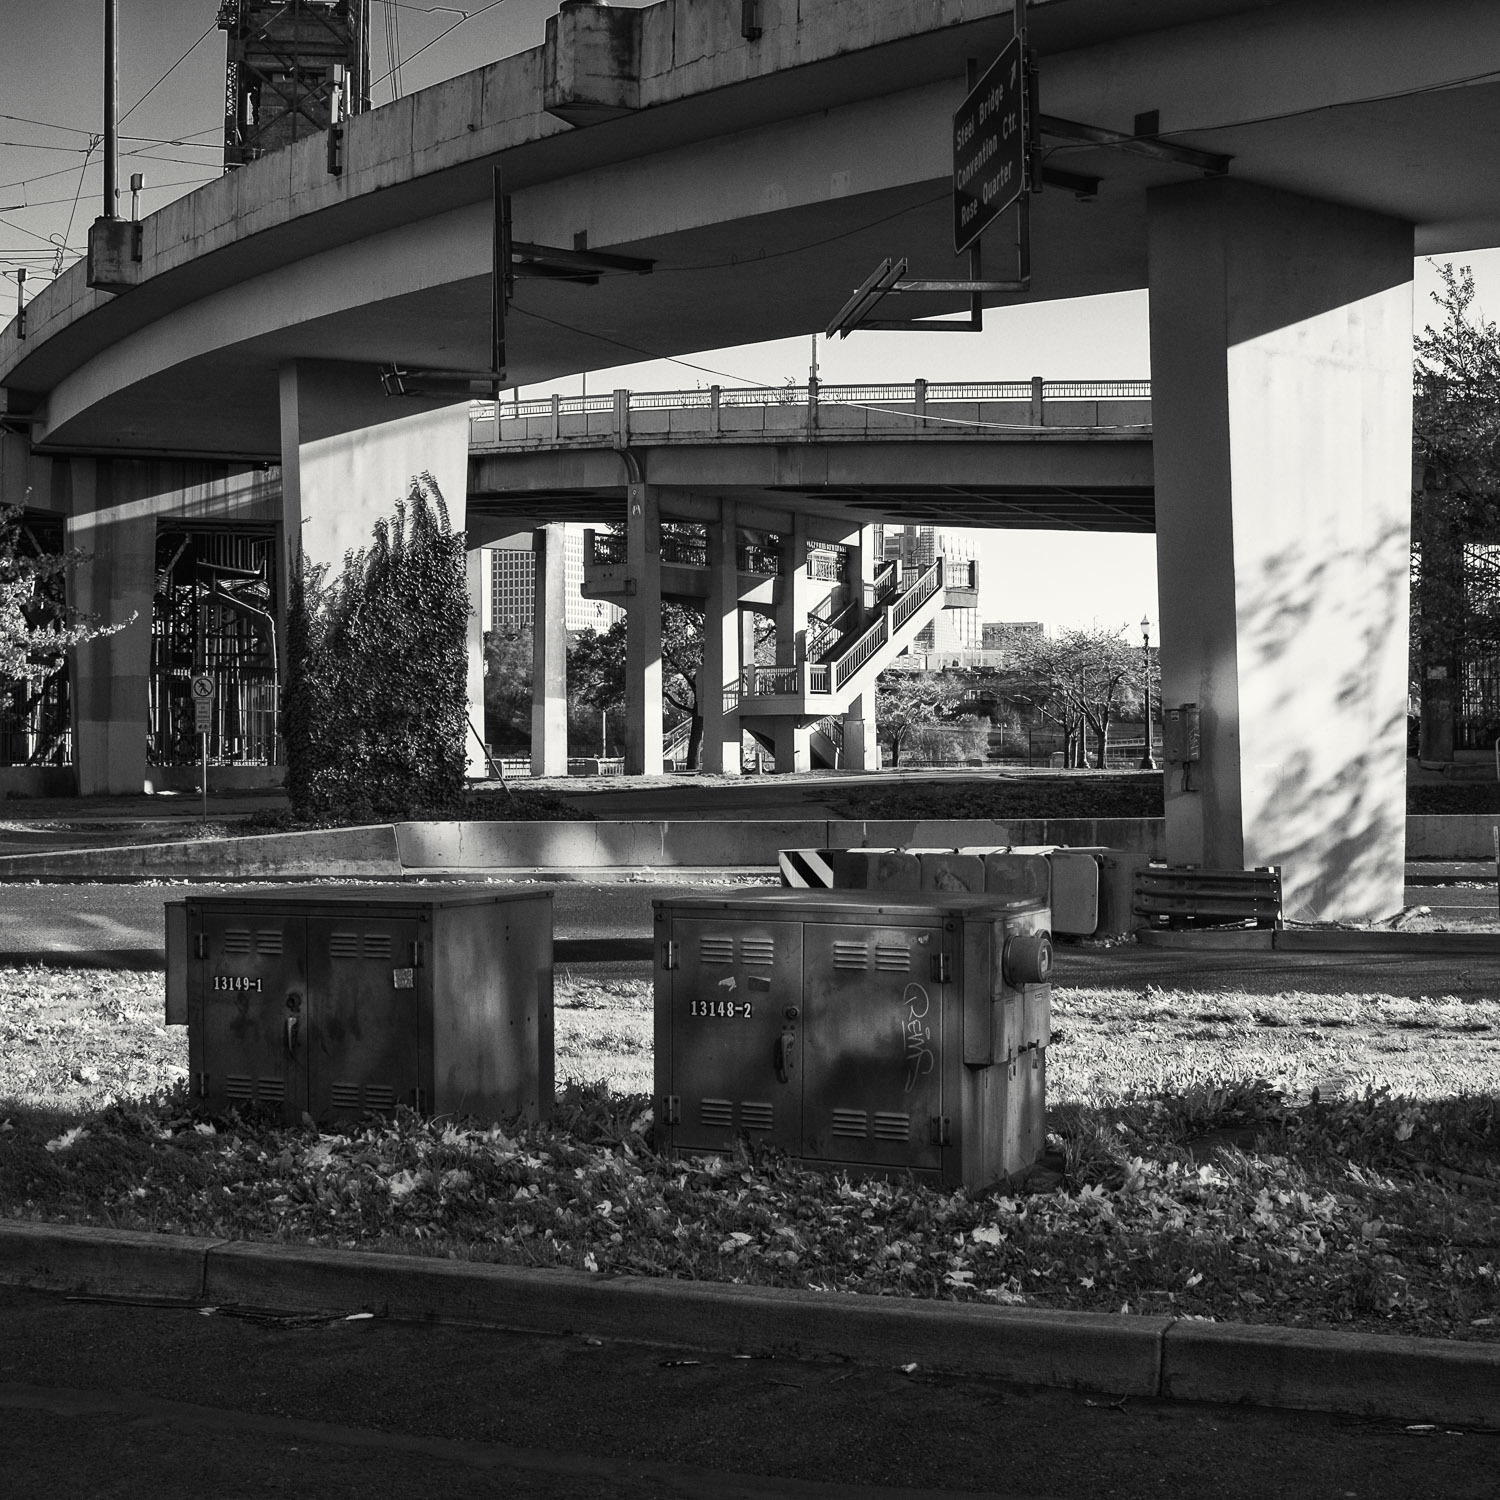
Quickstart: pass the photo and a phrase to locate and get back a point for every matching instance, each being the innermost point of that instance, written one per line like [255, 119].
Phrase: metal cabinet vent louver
[860, 1031]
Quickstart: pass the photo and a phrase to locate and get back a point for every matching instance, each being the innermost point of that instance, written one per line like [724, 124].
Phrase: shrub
[376, 711]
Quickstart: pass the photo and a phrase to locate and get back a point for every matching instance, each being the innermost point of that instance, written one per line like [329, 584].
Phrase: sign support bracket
[890, 276]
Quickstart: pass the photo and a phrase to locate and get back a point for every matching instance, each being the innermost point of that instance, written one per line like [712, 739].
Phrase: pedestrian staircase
[843, 656]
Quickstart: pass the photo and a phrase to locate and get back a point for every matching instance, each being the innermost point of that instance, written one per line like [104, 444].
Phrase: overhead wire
[469, 16]
[144, 97]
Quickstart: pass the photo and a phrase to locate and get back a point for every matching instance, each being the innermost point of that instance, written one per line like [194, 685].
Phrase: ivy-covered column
[350, 456]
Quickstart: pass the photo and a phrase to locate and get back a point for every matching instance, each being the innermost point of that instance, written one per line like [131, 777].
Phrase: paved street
[105, 1399]
[127, 919]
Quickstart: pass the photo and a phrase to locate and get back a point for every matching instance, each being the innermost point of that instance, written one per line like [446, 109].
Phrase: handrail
[913, 393]
[821, 633]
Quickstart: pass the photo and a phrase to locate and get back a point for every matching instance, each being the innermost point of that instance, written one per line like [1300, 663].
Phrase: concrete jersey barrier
[388, 852]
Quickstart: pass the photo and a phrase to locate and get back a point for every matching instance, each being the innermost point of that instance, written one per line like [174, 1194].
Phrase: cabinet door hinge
[941, 1131]
[942, 968]
[671, 1110]
[669, 955]
[201, 943]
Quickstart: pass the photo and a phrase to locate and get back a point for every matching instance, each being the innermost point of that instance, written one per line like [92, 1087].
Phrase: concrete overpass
[1268, 170]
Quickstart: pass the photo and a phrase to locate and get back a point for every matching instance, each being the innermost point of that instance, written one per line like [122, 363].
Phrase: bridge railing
[932, 408]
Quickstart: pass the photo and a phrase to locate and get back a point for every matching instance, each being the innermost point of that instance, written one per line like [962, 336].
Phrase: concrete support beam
[863, 561]
[721, 647]
[861, 735]
[643, 704]
[549, 656]
[796, 594]
[111, 674]
[792, 748]
[1281, 369]
[348, 454]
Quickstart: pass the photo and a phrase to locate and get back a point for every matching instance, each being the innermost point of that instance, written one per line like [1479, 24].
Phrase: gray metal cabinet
[332, 1002]
[859, 1030]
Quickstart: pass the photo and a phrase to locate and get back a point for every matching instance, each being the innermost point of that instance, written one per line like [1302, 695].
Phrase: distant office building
[918, 547]
[510, 589]
[1010, 635]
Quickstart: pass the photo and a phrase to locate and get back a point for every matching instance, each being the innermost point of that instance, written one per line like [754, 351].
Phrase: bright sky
[171, 91]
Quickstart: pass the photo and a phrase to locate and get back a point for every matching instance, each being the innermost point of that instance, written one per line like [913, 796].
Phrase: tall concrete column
[549, 656]
[643, 706]
[109, 675]
[1281, 405]
[348, 454]
[796, 594]
[791, 739]
[721, 646]
[861, 750]
[864, 560]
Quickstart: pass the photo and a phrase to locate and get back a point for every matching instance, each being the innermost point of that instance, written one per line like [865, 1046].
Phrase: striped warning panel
[806, 869]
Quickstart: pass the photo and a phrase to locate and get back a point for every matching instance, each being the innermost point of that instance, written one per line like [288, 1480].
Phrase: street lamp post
[1148, 761]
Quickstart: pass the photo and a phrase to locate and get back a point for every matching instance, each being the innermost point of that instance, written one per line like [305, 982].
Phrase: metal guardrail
[1190, 897]
[919, 395]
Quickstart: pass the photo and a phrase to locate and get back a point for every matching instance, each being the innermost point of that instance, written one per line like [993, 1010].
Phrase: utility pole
[111, 105]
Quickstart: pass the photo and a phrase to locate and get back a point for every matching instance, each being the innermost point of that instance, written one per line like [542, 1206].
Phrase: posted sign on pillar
[203, 703]
[989, 148]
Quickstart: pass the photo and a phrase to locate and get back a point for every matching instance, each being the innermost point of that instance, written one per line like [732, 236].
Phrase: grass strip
[1358, 1187]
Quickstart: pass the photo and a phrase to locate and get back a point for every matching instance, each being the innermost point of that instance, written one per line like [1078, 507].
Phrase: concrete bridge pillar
[1281, 385]
[721, 646]
[549, 656]
[643, 705]
[792, 748]
[861, 750]
[348, 454]
[863, 562]
[110, 674]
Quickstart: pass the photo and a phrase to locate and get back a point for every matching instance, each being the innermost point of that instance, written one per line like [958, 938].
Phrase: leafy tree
[907, 703]
[37, 628]
[507, 690]
[596, 674]
[376, 712]
[1083, 679]
[1456, 429]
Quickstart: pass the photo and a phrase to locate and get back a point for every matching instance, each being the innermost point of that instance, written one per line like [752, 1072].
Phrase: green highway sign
[989, 147]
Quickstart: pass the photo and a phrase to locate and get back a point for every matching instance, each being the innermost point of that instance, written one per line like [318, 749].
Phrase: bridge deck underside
[1017, 508]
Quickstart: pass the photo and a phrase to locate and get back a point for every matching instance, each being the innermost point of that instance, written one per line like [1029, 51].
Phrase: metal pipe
[111, 103]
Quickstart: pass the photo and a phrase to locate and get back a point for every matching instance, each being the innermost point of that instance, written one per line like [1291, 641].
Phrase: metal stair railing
[823, 634]
[892, 618]
[828, 676]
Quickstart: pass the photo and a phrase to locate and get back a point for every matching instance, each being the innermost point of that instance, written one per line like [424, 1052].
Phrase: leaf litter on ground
[1318, 1159]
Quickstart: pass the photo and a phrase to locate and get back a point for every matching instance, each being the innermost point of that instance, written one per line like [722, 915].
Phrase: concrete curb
[1321, 941]
[1122, 1354]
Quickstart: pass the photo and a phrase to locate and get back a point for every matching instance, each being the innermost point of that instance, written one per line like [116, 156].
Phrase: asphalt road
[123, 924]
[125, 1401]
[126, 919]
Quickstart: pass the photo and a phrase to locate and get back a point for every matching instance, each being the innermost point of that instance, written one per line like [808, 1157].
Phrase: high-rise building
[509, 602]
[1010, 635]
[918, 547]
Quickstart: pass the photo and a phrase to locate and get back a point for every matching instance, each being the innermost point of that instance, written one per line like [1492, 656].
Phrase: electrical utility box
[335, 1001]
[856, 1030]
